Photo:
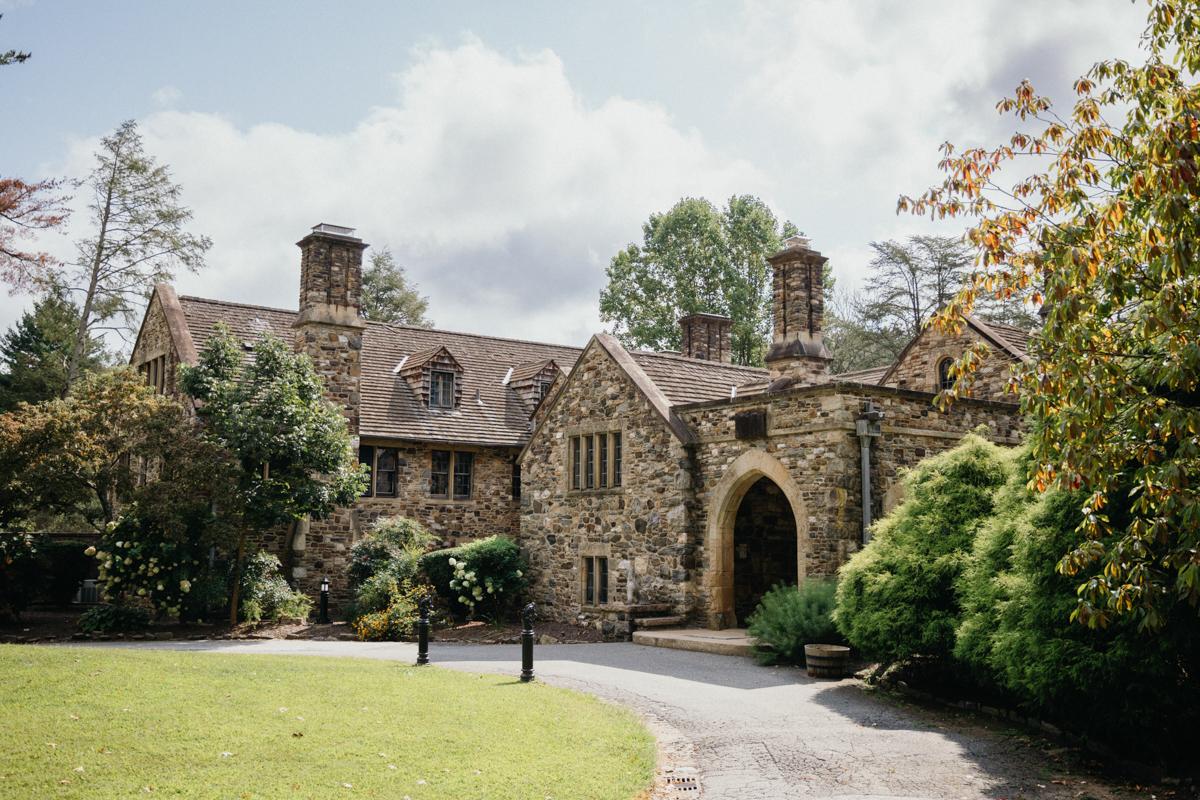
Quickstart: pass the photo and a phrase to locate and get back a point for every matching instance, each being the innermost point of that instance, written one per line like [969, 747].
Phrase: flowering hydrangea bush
[138, 561]
[484, 576]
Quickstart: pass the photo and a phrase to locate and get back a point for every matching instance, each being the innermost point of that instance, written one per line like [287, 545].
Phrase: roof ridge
[401, 325]
[700, 361]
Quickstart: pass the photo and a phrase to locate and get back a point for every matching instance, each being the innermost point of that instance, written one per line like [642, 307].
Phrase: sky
[505, 152]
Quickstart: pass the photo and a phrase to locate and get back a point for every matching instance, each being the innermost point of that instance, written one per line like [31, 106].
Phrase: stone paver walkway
[730, 642]
[756, 732]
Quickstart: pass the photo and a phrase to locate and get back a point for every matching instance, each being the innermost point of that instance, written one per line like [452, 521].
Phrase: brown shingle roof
[690, 380]
[1017, 338]
[390, 410]
[868, 376]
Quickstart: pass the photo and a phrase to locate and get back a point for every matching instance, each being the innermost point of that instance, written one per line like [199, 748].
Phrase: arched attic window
[945, 381]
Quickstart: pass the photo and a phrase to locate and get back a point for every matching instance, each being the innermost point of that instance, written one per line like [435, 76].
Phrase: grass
[181, 724]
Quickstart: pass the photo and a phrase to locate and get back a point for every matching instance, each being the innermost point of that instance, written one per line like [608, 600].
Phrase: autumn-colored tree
[1107, 234]
[25, 209]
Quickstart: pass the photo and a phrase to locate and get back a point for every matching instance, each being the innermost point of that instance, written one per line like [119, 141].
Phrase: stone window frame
[609, 455]
[155, 371]
[372, 486]
[934, 377]
[944, 381]
[452, 475]
[600, 557]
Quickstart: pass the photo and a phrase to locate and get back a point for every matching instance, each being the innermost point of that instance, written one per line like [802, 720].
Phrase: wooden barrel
[826, 660]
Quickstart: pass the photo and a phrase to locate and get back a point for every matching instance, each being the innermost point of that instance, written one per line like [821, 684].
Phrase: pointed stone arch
[722, 515]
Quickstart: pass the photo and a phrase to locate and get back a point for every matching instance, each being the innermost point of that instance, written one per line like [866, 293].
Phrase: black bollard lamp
[423, 631]
[324, 618]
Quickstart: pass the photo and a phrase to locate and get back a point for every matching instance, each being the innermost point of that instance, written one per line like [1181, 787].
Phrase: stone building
[644, 488]
[439, 416]
[667, 488]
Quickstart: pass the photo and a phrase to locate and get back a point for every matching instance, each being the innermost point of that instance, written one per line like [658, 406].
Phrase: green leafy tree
[138, 239]
[35, 353]
[291, 446]
[112, 442]
[693, 259]
[389, 296]
[1107, 235]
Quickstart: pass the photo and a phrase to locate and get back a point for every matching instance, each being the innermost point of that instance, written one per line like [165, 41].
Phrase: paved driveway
[757, 732]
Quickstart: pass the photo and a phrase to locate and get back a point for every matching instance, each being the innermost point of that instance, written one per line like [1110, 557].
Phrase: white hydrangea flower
[91, 551]
[453, 561]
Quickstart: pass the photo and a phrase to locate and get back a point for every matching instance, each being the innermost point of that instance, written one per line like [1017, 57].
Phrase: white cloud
[496, 185]
[859, 96]
[166, 96]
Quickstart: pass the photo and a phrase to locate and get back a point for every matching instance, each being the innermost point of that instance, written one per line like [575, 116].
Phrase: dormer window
[441, 389]
[435, 376]
[532, 381]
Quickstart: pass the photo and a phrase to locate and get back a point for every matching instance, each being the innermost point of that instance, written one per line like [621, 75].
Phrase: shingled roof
[689, 380]
[490, 413]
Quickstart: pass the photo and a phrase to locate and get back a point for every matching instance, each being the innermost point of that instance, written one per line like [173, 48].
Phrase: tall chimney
[328, 327]
[707, 337]
[798, 346]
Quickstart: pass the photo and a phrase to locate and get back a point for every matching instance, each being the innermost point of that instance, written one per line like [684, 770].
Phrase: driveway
[754, 732]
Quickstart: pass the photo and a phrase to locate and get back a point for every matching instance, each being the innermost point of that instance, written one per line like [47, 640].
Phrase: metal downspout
[868, 427]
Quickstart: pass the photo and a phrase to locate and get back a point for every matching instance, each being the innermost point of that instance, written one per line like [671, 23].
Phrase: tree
[695, 258]
[12, 56]
[36, 352]
[26, 208]
[138, 237]
[112, 442]
[291, 446]
[1107, 235]
[907, 284]
[388, 296]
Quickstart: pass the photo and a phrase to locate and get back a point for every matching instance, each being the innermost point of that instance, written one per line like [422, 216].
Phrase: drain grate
[684, 784]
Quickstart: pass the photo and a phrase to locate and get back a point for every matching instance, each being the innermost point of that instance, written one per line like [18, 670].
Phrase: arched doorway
[764, 547]
[738, 480]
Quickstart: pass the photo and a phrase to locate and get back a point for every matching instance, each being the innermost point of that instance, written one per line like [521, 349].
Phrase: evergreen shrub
[487, 572]
[23, 574]
[67, 564]
[789, 617]
[898, 597]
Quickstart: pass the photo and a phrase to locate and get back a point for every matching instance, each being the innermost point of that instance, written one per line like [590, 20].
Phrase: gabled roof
[524, 372]
[420, 358]
[690, 380]
[1009, 340]
[867, 376]
[389, 409]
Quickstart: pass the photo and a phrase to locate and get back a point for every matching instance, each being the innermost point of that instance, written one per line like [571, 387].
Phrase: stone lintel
[337, 316]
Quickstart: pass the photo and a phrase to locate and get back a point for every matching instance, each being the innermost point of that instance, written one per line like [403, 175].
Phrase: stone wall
[641, 527]
[321, 547]
[811, 434]
[918, 367]
[154, 340]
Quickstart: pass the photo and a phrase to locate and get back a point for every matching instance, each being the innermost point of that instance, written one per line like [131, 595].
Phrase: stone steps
[659, 622]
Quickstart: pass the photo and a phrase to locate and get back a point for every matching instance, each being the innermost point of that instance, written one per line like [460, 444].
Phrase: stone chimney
[707, 337]
[798, 348]
[328, 327]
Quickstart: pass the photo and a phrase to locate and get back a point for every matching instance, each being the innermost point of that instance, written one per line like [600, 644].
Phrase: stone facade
[641, 526]
[917, 367]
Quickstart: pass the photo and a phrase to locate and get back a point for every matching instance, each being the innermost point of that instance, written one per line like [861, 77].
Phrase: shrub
[897, 597]
[790, 617]
[1017, 635]
[264, 592]
[114, 618]
[399, 618]
[67, 564]
[23, 573]
[385, 560]
[487, 573]
[137, 559]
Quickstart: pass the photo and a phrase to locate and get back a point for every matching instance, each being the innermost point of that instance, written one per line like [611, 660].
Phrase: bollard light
[423, 631]
[324, 618]
[527, 643]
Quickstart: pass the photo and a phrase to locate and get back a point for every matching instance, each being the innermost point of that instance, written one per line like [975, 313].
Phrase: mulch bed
[49, 624]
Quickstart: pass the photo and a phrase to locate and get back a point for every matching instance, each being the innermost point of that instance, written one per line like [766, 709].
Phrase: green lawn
[243, 726]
